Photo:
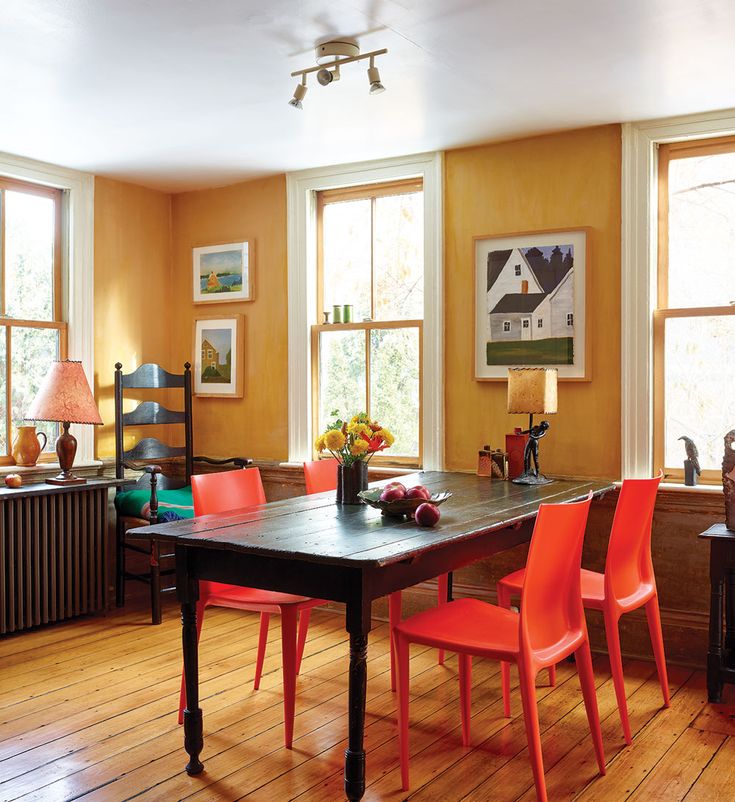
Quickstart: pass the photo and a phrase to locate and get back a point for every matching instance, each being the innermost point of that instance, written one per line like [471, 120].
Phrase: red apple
[392, 494]
[418, 492]
[427, 514]
[13, 480]
[395, 484]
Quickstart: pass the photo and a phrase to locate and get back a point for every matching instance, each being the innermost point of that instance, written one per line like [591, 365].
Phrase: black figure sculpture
[691, 463]
[529, 476]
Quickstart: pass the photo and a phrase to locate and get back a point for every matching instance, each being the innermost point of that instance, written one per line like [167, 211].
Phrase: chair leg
[504, 601]
[616, 667]
[288, 647]
[182, 695]
[401, 646]
[465, 695]
[262, 642]
[657, 642]
[394, 618]
[552, 676]
[583, 659]
[304, 617]
[120, 567]
[155, 583]
[442, 583]
[533, 734]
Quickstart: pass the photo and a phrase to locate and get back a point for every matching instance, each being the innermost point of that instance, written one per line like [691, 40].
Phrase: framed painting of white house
[219, 357]
[530, 303]
[223, 272]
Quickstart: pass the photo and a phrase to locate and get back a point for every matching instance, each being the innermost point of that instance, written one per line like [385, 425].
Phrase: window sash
[662, 313]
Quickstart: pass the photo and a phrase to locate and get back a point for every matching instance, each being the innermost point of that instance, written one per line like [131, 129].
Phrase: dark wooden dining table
[352, 554]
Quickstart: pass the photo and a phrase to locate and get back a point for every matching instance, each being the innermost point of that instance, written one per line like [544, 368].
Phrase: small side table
[721, 651]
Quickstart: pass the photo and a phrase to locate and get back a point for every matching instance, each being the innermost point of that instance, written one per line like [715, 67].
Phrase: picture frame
[219, 356]
[222, 273]
[530, 304]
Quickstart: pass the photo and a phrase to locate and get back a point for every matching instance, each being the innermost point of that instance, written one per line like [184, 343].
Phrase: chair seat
[216, 594]
[593, 586]
[466, 625]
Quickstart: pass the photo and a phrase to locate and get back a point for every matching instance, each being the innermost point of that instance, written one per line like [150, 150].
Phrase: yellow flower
[319, 443]
[387, 437]
[356, 428]
[334, 439]
[358, 447]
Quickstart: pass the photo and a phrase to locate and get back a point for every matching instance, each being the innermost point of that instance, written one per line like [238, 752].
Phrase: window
[518, 270]
[209, 353]
[540, 323]
[32, 332]
[370, 255]
[570, 318]
[694, 319]
[506, 325]
[526, 323]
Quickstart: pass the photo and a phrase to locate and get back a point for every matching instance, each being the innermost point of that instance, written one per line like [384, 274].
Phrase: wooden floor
[88, 711]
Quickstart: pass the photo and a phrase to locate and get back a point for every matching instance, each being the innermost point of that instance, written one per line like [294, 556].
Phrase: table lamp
[532, 391]
[64, 397]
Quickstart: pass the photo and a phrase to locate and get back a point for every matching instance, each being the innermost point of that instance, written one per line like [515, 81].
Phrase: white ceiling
[178, 94]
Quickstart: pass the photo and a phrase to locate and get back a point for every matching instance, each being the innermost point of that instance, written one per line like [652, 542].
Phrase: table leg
[715, 653]
[730, 612]
[450, 586]
[188, 593]
[358, 625]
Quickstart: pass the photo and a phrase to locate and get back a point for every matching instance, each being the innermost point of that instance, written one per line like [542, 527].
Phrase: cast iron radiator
[52, 554]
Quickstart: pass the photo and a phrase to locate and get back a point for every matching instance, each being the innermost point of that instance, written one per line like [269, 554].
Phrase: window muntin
[694, 322]
[370, 254]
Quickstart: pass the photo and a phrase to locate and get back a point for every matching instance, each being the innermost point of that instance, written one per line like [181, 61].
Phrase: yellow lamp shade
[532, 390]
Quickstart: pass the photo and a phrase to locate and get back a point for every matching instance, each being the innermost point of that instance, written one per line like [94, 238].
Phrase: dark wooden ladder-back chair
[141, 458]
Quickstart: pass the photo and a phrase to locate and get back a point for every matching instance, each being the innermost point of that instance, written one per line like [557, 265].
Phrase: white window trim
[638, 280]
[77, 265]
[301, 189]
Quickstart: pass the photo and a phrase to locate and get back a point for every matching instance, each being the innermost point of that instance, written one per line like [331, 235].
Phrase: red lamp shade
[65, 396]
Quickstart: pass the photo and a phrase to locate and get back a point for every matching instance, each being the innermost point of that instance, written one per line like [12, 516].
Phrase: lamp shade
[65, 396]
[532, 390]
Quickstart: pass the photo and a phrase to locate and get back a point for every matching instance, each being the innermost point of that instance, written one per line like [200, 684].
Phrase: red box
[515, 446]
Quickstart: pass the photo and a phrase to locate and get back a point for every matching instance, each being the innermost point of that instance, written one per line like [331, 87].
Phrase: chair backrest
[551, 603]
[321, 475]
[149, 449]
[628, 562]
[226, 491]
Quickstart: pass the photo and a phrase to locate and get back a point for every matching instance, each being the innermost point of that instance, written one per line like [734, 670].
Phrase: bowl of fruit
[397, 500]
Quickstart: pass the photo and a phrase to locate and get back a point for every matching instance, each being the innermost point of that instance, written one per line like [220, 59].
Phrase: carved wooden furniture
[312, 547]
[141, 457]
[721, 650]
[53, 552]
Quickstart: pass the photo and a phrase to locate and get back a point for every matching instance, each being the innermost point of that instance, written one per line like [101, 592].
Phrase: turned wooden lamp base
[66, 450]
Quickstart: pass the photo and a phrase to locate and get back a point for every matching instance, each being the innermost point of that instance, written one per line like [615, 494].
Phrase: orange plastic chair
[320, 476]
[627, 584]
[551, 625]
[224, 492]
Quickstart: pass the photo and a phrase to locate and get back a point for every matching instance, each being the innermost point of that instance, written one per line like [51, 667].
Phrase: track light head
[298, 94]
[325, 77]
[374, 78]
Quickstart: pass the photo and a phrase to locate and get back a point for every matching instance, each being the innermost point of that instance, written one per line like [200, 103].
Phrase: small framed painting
[223, 272]
[530, 303]
[219, 357]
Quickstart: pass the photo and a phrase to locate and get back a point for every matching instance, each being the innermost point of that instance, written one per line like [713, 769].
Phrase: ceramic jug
[26, 446]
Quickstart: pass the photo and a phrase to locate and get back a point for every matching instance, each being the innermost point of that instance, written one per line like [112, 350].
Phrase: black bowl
[404, 506]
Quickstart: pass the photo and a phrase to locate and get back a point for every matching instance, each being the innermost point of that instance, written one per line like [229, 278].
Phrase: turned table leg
[715, 661]
[358, 625]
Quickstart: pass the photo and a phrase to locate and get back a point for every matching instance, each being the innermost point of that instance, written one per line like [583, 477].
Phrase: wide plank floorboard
[88, 712]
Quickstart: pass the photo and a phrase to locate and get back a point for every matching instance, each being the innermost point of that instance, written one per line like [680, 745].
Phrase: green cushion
[172, 504]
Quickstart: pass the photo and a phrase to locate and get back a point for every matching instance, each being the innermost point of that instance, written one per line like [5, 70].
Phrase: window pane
[702, 231]
[699, 388]
[341, 374]
[346, 249]
[399, 257]
[394, 386]
[32, 352]
[3, 394]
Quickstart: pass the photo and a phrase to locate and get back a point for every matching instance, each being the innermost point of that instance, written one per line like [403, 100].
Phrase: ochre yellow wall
[559, 181]
[255, 425]
[132, 283]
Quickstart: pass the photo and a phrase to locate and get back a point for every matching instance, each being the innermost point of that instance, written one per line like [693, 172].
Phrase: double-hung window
[370, 243]
[694, 320]
[32, 331]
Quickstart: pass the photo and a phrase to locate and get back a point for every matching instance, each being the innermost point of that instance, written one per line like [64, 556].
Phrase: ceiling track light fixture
[330, 56]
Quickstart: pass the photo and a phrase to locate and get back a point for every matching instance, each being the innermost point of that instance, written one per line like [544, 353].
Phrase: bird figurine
[692, 456]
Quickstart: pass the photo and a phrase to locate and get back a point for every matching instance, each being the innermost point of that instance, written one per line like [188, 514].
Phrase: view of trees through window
[696, 298]
[371, 257]
[30, 327]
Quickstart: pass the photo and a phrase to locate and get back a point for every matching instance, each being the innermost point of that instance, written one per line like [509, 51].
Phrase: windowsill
[678, 487]
[385, 469]
[49, 468]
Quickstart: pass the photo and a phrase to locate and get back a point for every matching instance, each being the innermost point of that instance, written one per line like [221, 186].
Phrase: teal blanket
[173, 505]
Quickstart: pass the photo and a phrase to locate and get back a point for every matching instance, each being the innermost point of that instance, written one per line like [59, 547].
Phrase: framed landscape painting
[530, 303]
[223, 272]
[218, 357]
